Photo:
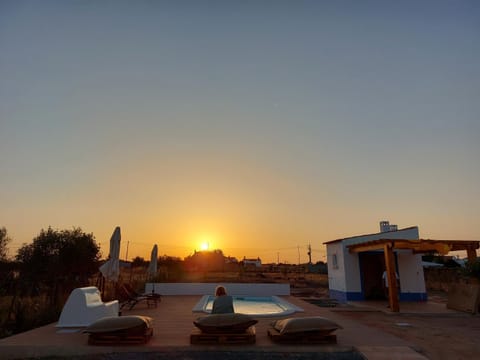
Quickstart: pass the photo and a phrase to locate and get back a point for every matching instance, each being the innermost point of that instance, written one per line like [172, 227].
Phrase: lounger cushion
[305, 324]
[225, 323]
[120, 323]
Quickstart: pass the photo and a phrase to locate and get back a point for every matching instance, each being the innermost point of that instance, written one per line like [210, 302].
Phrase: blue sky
[256, 126]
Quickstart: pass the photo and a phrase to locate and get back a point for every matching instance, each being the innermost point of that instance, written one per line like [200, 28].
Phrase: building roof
[417, 246]
[358, 236]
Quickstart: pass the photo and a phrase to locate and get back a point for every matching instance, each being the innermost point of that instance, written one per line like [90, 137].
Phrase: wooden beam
[367, 247]
[417, 246]
[423, 246]
[392, 279]
[457, 247]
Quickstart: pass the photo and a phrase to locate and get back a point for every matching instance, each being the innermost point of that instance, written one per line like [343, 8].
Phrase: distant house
[253, 264]
[358, 276]
[231, 260]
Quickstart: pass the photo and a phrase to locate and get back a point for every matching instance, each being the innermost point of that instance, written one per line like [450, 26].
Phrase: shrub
[472, 269]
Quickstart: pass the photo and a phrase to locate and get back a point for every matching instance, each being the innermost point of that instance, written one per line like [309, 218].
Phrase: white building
[355, 272]
[256, 263]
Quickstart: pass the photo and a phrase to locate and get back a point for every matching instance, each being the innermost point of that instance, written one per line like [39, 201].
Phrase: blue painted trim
[355, 296]
[343, 296]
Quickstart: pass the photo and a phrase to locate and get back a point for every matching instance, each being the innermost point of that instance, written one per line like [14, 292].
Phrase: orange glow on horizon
[205, 241]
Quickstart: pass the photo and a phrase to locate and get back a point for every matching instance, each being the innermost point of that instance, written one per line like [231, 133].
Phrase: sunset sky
[257, 127]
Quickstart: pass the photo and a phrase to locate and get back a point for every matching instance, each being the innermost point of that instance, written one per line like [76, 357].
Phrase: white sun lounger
[85, 306]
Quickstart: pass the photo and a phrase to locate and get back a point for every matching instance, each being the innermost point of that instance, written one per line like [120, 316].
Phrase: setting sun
[205, 240]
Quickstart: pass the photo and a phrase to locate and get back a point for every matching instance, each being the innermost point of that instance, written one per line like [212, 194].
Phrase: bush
[472, 269]
[57, 258]
[27, 313]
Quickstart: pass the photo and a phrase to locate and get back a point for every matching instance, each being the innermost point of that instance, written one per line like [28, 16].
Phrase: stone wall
[441, 278]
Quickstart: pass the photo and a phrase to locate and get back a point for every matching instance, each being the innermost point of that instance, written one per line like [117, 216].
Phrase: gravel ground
[437, 337]
[220, 355]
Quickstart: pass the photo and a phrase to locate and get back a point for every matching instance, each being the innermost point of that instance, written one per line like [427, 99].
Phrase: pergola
[420, 246]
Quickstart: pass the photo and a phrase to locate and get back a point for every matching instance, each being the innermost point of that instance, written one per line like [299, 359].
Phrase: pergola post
[392, 279]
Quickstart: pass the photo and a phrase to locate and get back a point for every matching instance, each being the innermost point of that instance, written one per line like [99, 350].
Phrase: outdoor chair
[84, 306]
[129, 297]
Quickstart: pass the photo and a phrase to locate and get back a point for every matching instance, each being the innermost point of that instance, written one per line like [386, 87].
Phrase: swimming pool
[260, 306]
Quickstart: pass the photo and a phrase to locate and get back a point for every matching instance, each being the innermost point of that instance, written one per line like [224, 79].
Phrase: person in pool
[223, 303]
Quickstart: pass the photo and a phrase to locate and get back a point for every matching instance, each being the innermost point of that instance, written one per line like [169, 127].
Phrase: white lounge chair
[85, 306]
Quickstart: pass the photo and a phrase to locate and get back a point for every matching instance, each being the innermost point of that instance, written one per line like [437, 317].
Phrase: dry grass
[24, 313]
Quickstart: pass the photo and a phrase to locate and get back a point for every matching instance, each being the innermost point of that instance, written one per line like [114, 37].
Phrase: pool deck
[173, 323]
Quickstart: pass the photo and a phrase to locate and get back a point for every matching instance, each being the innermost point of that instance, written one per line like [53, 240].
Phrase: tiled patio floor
[173, 323]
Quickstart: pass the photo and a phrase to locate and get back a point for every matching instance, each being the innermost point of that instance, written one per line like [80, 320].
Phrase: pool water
[252, 305]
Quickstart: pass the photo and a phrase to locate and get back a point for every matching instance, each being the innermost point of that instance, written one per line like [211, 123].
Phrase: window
[335, 261]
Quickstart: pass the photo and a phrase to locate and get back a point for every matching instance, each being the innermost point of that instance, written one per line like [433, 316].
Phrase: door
[372, 265]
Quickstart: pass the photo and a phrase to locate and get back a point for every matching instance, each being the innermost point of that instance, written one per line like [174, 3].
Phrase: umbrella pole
[102, 286]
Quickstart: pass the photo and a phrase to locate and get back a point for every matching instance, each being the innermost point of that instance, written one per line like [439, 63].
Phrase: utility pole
[126, 253]
[309, 254]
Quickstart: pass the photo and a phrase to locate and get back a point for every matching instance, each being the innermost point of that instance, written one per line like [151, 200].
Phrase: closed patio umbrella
[111, 268]
[152, 267]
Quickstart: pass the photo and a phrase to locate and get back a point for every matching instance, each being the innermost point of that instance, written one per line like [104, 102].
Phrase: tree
[4, 240]
[206, 261]
[59, 256]
[139, 262]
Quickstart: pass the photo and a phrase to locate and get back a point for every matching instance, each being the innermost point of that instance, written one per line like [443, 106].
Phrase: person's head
[220, 290]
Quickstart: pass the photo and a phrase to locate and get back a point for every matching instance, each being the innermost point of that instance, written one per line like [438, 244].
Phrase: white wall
[410, 272]
[336, 274]
[352, 270]
[209, 289]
